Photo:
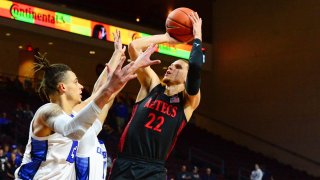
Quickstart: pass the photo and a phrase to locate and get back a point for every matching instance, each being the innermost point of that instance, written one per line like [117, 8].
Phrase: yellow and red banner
[60, 21]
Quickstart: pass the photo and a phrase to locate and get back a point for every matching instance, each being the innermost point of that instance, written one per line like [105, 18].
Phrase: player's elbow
[132, 45]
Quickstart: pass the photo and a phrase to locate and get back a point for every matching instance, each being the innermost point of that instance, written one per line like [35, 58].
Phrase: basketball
[179, 25]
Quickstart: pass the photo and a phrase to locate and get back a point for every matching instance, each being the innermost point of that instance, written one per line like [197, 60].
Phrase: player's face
[73, 88]
[176, 72]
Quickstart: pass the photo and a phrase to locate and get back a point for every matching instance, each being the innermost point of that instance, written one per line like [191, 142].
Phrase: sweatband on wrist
[196, 61]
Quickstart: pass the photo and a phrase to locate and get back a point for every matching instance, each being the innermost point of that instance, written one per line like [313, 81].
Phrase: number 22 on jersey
[159, 120]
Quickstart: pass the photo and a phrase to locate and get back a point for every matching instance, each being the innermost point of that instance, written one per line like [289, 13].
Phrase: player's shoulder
[49, 105]
[49, 109]
[158, 87]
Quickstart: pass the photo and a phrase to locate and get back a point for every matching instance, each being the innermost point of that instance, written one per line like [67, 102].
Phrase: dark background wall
[265, 78]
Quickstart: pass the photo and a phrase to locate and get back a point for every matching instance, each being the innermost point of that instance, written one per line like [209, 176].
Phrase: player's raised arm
[146, 76]
[119, 51]
[196, 61]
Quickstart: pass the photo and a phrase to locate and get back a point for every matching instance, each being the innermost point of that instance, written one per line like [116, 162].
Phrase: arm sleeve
[196, 61]
[76, 127]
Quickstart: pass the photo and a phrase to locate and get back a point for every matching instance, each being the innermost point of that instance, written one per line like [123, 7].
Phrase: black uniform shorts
[125, 168]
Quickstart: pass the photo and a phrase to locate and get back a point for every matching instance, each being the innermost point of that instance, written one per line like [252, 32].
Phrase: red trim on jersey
[114, 160]
[124, 134]
[183, 124]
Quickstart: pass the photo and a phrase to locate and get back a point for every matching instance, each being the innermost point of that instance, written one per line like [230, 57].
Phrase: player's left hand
[197, 25]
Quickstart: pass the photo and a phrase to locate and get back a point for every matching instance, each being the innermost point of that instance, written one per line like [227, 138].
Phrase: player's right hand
[144, 60]
[170, 39]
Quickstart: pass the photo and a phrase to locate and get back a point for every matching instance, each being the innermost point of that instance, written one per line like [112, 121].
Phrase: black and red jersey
[155, 124]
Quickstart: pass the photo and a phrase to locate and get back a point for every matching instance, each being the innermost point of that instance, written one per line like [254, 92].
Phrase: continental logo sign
[56, 20]
[23, 12]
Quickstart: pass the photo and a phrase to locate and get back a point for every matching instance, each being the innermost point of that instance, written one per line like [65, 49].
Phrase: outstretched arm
[146, 76]
[119, 51]
[196, 61]
[51, 118]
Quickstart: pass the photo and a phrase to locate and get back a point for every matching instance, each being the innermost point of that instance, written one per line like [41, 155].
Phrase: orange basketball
[179, 25]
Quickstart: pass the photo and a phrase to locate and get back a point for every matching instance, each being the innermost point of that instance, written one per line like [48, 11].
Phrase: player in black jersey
[160, 112]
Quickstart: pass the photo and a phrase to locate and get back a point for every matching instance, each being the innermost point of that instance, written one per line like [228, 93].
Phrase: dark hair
[53, 74]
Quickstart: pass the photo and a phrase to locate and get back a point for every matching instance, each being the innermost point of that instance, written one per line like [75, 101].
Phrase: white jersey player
[54, 133]
[46, 157]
